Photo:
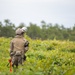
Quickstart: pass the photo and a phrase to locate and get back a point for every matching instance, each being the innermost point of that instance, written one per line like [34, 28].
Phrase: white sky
[26, 11]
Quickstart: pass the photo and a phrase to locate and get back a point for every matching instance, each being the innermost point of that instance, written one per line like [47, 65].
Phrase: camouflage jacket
[19, 43]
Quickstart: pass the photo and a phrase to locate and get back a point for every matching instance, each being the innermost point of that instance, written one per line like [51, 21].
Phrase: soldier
[18, 47]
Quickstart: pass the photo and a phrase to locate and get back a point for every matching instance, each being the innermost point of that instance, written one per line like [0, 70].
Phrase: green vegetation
[47, 57]
[43, 31]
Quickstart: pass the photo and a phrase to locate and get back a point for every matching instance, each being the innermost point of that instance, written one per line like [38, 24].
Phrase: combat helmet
[19, 31]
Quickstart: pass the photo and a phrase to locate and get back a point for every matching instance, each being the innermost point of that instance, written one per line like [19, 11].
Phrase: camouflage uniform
[18, 48]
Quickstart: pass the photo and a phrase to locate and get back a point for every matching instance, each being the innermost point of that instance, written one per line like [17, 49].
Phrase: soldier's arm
[11, 47]
[26, 46]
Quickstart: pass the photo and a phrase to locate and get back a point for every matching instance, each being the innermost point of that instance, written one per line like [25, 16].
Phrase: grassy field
[48, 57]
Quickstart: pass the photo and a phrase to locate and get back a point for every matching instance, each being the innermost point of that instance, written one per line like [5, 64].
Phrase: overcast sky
[26, 11]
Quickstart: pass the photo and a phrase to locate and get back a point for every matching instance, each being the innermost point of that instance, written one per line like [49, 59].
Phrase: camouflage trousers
[18, 59]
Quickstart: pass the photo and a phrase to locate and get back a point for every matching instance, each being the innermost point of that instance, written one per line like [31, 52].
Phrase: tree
[21, 25]
[8, 30]
[74, 27]
[34, 31]
[7, 22]
[0, 29]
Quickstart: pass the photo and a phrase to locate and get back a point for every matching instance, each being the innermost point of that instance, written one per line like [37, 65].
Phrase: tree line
[34, 31]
